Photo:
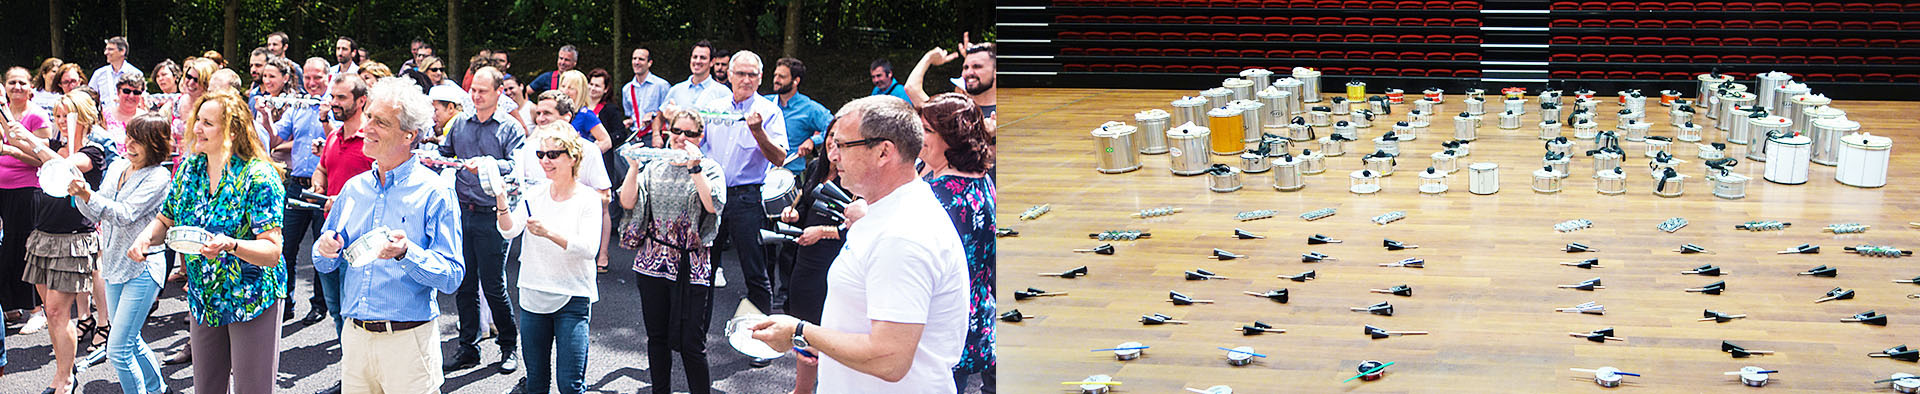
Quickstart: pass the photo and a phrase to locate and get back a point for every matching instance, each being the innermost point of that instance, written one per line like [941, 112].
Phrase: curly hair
[961, 124]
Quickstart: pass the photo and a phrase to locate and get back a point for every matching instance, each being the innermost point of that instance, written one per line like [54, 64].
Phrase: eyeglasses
[550, 154]
[857, 143]
[685, 132]
[437, 69]
[742, 74]
[129, 91]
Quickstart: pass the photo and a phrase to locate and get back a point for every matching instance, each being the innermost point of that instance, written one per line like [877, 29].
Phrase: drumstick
[1745, 372]
[1085, 383]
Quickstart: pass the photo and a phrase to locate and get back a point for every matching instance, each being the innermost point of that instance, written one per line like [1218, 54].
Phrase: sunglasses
[437, 69]
[856, 143]
[688, 133]
[549, 154]
[129, 91]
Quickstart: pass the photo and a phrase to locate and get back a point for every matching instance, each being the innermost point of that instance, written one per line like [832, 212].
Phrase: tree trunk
[230, 30]
[123, 18]
[454, 61]
[54, 28]
[619, 13]
[792, 32]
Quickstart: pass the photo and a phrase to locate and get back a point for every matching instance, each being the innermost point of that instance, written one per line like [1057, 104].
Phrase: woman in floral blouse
[227, 186]
[674, 214]
[958, 153]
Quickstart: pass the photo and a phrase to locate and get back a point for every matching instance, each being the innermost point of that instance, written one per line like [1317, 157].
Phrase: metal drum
[1333, 147]
[1753, 377]
[1509, 120]
[1549, 129]
[1460, 148]
[1153, 131]
[1299, 130]
[1727, 102]
[1551, 95]
[1250, 112]
[1546, 181]
[1425, 105]
[1783, 97]
[1905, 383]
[1296, 89]
[1259, 76]
[1586, 104]
[1254, 162]
[1381, 162]
[1634, 130]
[1415, 129]
[1707, 83]
[1379, 105]
[1345, 129]
[1096, 384]
[1764, 129]
[1388, 143]
[1320, 116]
[1433, 181]
[1340, 105]
[1629, 115]
[1242, 89]
[1276, 106]
[1229, 129]
[1516, 106]
[1401, 130]
[1363, 182]
[1189, 109]
[1660, 164]
[1729, 185]
[1436, 95]
[1549, 110]
[1863, 160]
[1310, 87]
[1667, 97]
[1312, 163]
[1635, 101]
[1739, 130]
[1187, 148]
[1222, 178]
[1611, 182]
[1670, 184]
[1287, 175]
[1826, 140]
[1767, 86]
[1559, 163]
[1585, 130]
[1605, 160]
[1466, 126]
[1688, 132]
[1796, 109]
[1788, 158]
[1559, 145]
[1483, 178]
[1217, 97]
[1362, 118]
[1419, 115]
[1583, 94]
[1116, 151]
[1476, 106]
[1445, 162]
[1356, 90]
[1275, 145]
[1681, 114]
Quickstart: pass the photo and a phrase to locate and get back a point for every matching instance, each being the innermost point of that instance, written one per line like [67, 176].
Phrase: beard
[779, 89]
[976, 86]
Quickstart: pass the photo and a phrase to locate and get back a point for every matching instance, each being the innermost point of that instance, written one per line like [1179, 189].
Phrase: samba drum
[1415, 129]
[1707, 83]
[1445, 162]
[1681, 114]
[1277, 106]
[1863, 160]
[1550, 95]
[1753, 376]
[1585, 129]
[1312, 163]
[1362, 119]
[1466, 126]
[1189, 109]
[1670, 184]
[1796, 109]
[1298, 130]
[1310, 87]
[1152, 135]
[1559, 163]
[1559, 145]
[1549, 110]
[1483, 178]
[1402, 130]
[1905, 383]
[1114, 141]
[1340, 106]
[1476, 106]
[1425, 105]
[1223, 178]
[1127, 351]
[1260, 77]
[741, 338]
[1433, 181]
[1634, 130]
[1729, 185]
[1254, 162]
[1396, 96]
[1659, 145]
[1788, 158]
[1332, 147]
[1363, 182]
[1727, 102]
[1274, 145]
[1435, 95]
[366, 248]
[1229, 129]
[1826, 140]
[1381, 162]
[1509, 120]
[1379, 105]
[1765, 129]
[1345, 129]
[1608, 377]
[1667, 97]
[1296, 90]
[1739, 130]
[779, 192]
[1250, 121]
[1476, 93]
[1516, 106]
[1356, 90]
[1549, 129]
[1767, 86]
[1187, 148]
[1287, 175]
[1688, 132]
[1217, 97]
[1583, 94]
[1320, 116]
[1586, 104]
[1460, 148]
[1545, 180]
[1612, 182]
[1659, 165]
[186, 239]
[1388, 143]
[1626, 115]
[1605, 160]
[1784, 98]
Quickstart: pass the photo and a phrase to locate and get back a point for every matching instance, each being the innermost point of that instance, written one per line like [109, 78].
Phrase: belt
[753, 186]
[386, 326]
[476, 207]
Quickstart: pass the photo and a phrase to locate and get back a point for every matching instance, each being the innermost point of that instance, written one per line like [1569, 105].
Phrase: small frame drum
[366, 249]
[1613, 182]
[1863, 160]
[1241, 356]
[1905, 383]
[186, 239]
[1229, 129]
[1445, 162]
[1731, 186]
[1287, 174]
[1093, 387]
[1681, 114]
[54, 176]
[1751, 376]
[1605, 161]
[1310, 88]
[1312, 163]
[1545, 180]
[1362, 118]
[1483, 178]
[1609, 376]
[1585, 129]
[1658, 145]
[1187, 148]
[1154, 124]
[1114, 141]
[1128, 351]
[1425, 105]
[1332, 147]
[1223, 179]
[1433, 181]
[1389, 144]
[1369, 365]
[1516, 106]
[1363, 182]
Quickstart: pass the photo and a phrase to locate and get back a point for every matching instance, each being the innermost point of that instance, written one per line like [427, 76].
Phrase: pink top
[15, 174]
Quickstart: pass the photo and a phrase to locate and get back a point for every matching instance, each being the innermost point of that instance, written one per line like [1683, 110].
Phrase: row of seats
[1272, 54]
[1204, 69]
[1732, 24]
[1269, 20]
[1795, 6]
[1308, 4]
[1754, 59]
[1738, 41]
[1682, 76]
[1197, 36]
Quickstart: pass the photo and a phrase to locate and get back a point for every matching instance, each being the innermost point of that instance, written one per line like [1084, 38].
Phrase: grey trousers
[248, 352]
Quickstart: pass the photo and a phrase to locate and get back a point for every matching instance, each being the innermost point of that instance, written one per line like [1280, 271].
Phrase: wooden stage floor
[1489, 290]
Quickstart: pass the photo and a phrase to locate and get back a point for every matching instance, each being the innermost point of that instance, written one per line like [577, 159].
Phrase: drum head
[742, 340]
[363, 250]
[187, 239]
[779, 182]
[55, 176]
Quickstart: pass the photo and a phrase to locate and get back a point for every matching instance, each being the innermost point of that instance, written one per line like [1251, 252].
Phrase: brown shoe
[182, 356]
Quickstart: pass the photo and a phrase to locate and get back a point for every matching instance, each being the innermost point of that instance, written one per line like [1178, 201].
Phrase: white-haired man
[745, 149]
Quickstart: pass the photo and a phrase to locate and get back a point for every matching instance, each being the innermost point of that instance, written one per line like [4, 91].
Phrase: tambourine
[56, 175]
[740, 335]
[186, 239]
[721, 117]
[364, 250]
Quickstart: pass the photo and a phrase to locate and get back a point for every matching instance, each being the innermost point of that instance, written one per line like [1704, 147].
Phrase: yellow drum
[1229, 128]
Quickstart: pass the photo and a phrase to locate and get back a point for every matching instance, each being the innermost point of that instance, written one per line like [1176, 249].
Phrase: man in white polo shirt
[896, 309]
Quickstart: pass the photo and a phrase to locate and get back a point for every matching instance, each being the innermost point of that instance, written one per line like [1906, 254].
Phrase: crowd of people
[411, 182]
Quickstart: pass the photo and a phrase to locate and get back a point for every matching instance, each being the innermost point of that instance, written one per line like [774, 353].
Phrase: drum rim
[1867, 141]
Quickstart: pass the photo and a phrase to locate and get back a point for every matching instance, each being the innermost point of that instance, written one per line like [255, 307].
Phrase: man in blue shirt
[492, 134]
[297, 130]
[883, 83]
[389, 296]
[562, 62]
[641, 98]
[745, 148]
[686, 94]
[806, 119]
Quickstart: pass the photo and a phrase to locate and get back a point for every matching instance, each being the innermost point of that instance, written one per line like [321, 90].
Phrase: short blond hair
[564, 135]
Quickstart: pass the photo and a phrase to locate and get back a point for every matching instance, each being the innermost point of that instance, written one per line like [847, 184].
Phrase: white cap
[447, 93]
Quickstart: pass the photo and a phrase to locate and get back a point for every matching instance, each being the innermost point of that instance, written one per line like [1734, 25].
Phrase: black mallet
[1259, 328]
[1244, 234]
[1382, 309]
[1032, 292]
[1711, 288]
[1314, 257]
[1014, 316]
[1802, 249]
[1378, 333]
[1279, 295]
[1588, 285]
[1584, 264]
[1200, 274]
[1401, 290]
[1158, 319]
[1318, 239]
[1915, 280]
[1182, 299]
[1691, 249]
[1598, 336]
[1740, 352]
[1898, 353]
[1868, 317]
[1717, 317]
[1822, 271]
[1069, 274]
[1302, 277]
[1577, 247]
[1836, 294]
[1103, 249]
[1224, 255]
[1705, 270]
[1396, 245]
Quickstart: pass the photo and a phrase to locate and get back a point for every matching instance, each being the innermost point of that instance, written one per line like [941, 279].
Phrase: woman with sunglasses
[132, 103]
[129, 197]
[958, 151]
[557, 284]
[673, 217]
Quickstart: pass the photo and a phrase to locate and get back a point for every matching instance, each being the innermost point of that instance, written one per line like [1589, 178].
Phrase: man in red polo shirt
[340, 160]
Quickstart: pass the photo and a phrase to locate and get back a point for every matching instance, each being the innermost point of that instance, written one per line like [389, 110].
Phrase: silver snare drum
[779, 191]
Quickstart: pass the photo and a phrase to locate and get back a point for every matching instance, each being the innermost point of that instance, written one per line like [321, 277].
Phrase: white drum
[1445, 162]
[56, 175]
[1250, 113]
[1585, 129]
[1788, 158]
[1545, 180]
[1634, 100]
[1152, 138]
[1417, 127]
[1187, 148]
[1549, 110]
[1115, 151]
[1765, 129]
[1797, 106]
[1560, 164]
[1659, 145]
[1381, 163]
[1425, 105]
[1476, 106]
[1345, 129]
[1287, 175]
[187, 239]
[1320, 116]
[1223, 178]
[1549, 129]
[1483, 178]
[1516, 106]
[1363, 182]
[1739, 130]
[1827, 124]
[1863, 160]
[1509, 120]
[1611, 182]
[1217, 97]
[1767, 85]
[1362, 119]
[1466, 126]
[1388, 143]
[1340, 106]
[1670, 184]
[1731, 186]
[1559, 145]
[1312, 163]
[1905, 383]
[1254, 163]
[1333, 147]
[1707, 82]
[1259, 76]
[1604, 161]
[1688, 132]
[1433, 181]
[1681, 114]
[1586, 104]
[1634, 130]
[1299, 131]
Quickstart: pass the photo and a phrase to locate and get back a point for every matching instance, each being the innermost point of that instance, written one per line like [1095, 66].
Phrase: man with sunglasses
[896, 312]
[106, 76]
[745, 149]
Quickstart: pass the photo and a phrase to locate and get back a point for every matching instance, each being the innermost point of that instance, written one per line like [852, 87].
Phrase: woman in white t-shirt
[557, 288]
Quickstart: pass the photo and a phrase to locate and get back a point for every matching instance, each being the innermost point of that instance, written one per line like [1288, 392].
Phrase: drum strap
[684, 324]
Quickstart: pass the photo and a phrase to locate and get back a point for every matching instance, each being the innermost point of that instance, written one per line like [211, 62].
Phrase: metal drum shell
[1187, 149]
[1789, 158]
[1116, 153]
[1153, 124]
[1863, 160]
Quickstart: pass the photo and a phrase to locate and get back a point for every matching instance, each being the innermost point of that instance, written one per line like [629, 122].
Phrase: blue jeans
[132, 360]
[563, 332]
[330, 285]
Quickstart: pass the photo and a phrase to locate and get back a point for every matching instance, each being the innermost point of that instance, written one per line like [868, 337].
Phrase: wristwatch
[799, 340]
